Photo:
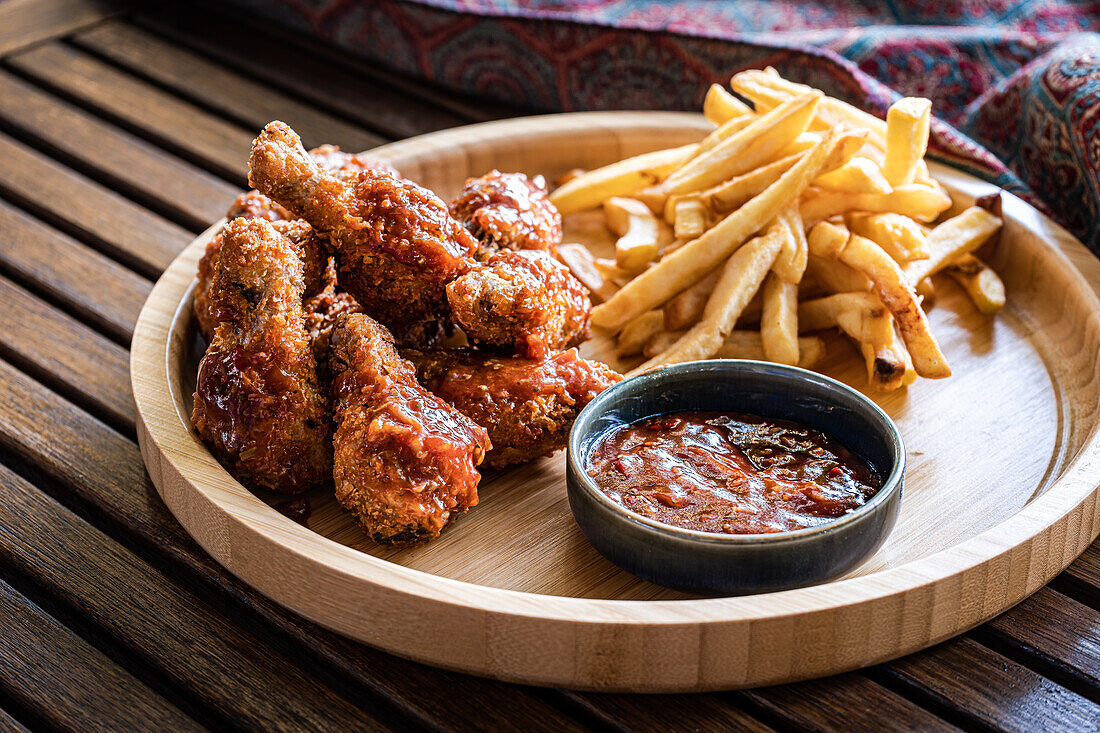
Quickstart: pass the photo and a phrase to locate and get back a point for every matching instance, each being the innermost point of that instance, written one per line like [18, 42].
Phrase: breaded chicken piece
[508, 211]
[322, 310]
[527, 405]
[526, 302]
[258, 404]
[255, 205]
[395, 244]
[310, 250]
[406, 461]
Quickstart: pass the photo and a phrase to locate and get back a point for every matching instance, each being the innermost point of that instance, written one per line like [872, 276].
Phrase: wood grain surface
[65, 429]
[545, 594]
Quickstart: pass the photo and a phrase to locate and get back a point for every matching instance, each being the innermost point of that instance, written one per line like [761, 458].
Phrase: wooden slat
[213, 86]
[1055, 635]
[105, 470]
[25, 22]
[128, 163]
[847, 702]
[68, 683]
[986, 689]
[227, 670]
[1082, 578]
[85, 282]
[389, 109]
[71, 353]
[83, 208]
[8, 724]
[668, 712]
[213, 142]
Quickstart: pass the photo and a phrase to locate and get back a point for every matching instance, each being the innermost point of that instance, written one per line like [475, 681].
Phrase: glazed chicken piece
[526, 302]
[395, 244]
[322, 310]
[258, 403]
[527, 405]
[508, 211]
[406, 461]
[306, 245]
[254, 205]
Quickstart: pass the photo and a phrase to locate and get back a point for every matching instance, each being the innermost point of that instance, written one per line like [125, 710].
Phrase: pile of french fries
[797, 214]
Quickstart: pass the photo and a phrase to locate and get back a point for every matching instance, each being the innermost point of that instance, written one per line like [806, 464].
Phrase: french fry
[568, 176]
[729, 128]
[835, 276]
[901, 237]
[984, 287]
[827, 238]
[660, 343]
[619, 179]
[885, 364]
[633, 338]
[746, 149]
[741, 278]
[720, 106]
[858, 175]
[952, 239]
[750, 345]
[609, 269]
[858, 314]
[926, 291]
[907, 123]
[800, 144]
[916, 201]
[583, 266]
[733, 193]
[791, 263]
[779, 321]
[638, 232]
[690, 219]
[695, 259]
[896, 292]
[687, 307]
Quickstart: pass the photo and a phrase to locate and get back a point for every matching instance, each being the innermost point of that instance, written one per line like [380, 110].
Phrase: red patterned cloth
[1015, 85]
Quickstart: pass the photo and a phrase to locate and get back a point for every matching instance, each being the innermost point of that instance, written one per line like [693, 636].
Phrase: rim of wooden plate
[610, 645]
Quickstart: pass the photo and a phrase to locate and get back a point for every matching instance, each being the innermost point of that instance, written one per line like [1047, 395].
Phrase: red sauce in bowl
[730, 473]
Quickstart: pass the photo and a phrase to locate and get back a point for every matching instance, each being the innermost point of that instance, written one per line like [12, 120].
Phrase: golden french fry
[746, 149]
[926, 291]
[916, 201]
[741, 278]
[885, 364]
[800, 144]
[653, 197]
[791, 263]
[952, 239]
[633, 338]
[827, 238]
[610, 270]
[858, 175]
[859, 314]
[779, 321]
[750, 345]
[896, 292]
[690, 219]
[695, 259]
[901, 237]
[907, 123]
[687, 307]
[835, 276]
[638, 232]
[984, 287]
[583, 266]
[720, 106]
[619, 179]
[568, 176]
[729, 128]
[660, 343]
[736, 191]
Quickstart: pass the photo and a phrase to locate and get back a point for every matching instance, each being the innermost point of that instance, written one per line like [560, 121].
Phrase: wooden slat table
[123, 133]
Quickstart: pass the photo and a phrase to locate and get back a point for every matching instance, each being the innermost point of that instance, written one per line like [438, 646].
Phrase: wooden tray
[1001, 493]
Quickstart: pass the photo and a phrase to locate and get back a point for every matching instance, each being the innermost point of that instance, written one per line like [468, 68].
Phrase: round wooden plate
[1001, 493]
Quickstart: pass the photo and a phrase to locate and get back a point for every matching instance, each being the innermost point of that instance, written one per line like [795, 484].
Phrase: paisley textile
[1015, 85]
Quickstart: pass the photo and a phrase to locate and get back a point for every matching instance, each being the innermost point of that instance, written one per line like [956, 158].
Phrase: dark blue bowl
[708, 563]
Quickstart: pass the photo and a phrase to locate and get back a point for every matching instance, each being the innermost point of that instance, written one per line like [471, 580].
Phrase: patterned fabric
[1015, 85]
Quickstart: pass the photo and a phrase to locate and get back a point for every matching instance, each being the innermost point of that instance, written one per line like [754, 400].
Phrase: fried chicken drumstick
[395, 244]
[527, 405]
[406, 461]
[527, 302]
[254, 205]
[258, 403]
[508, 211]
